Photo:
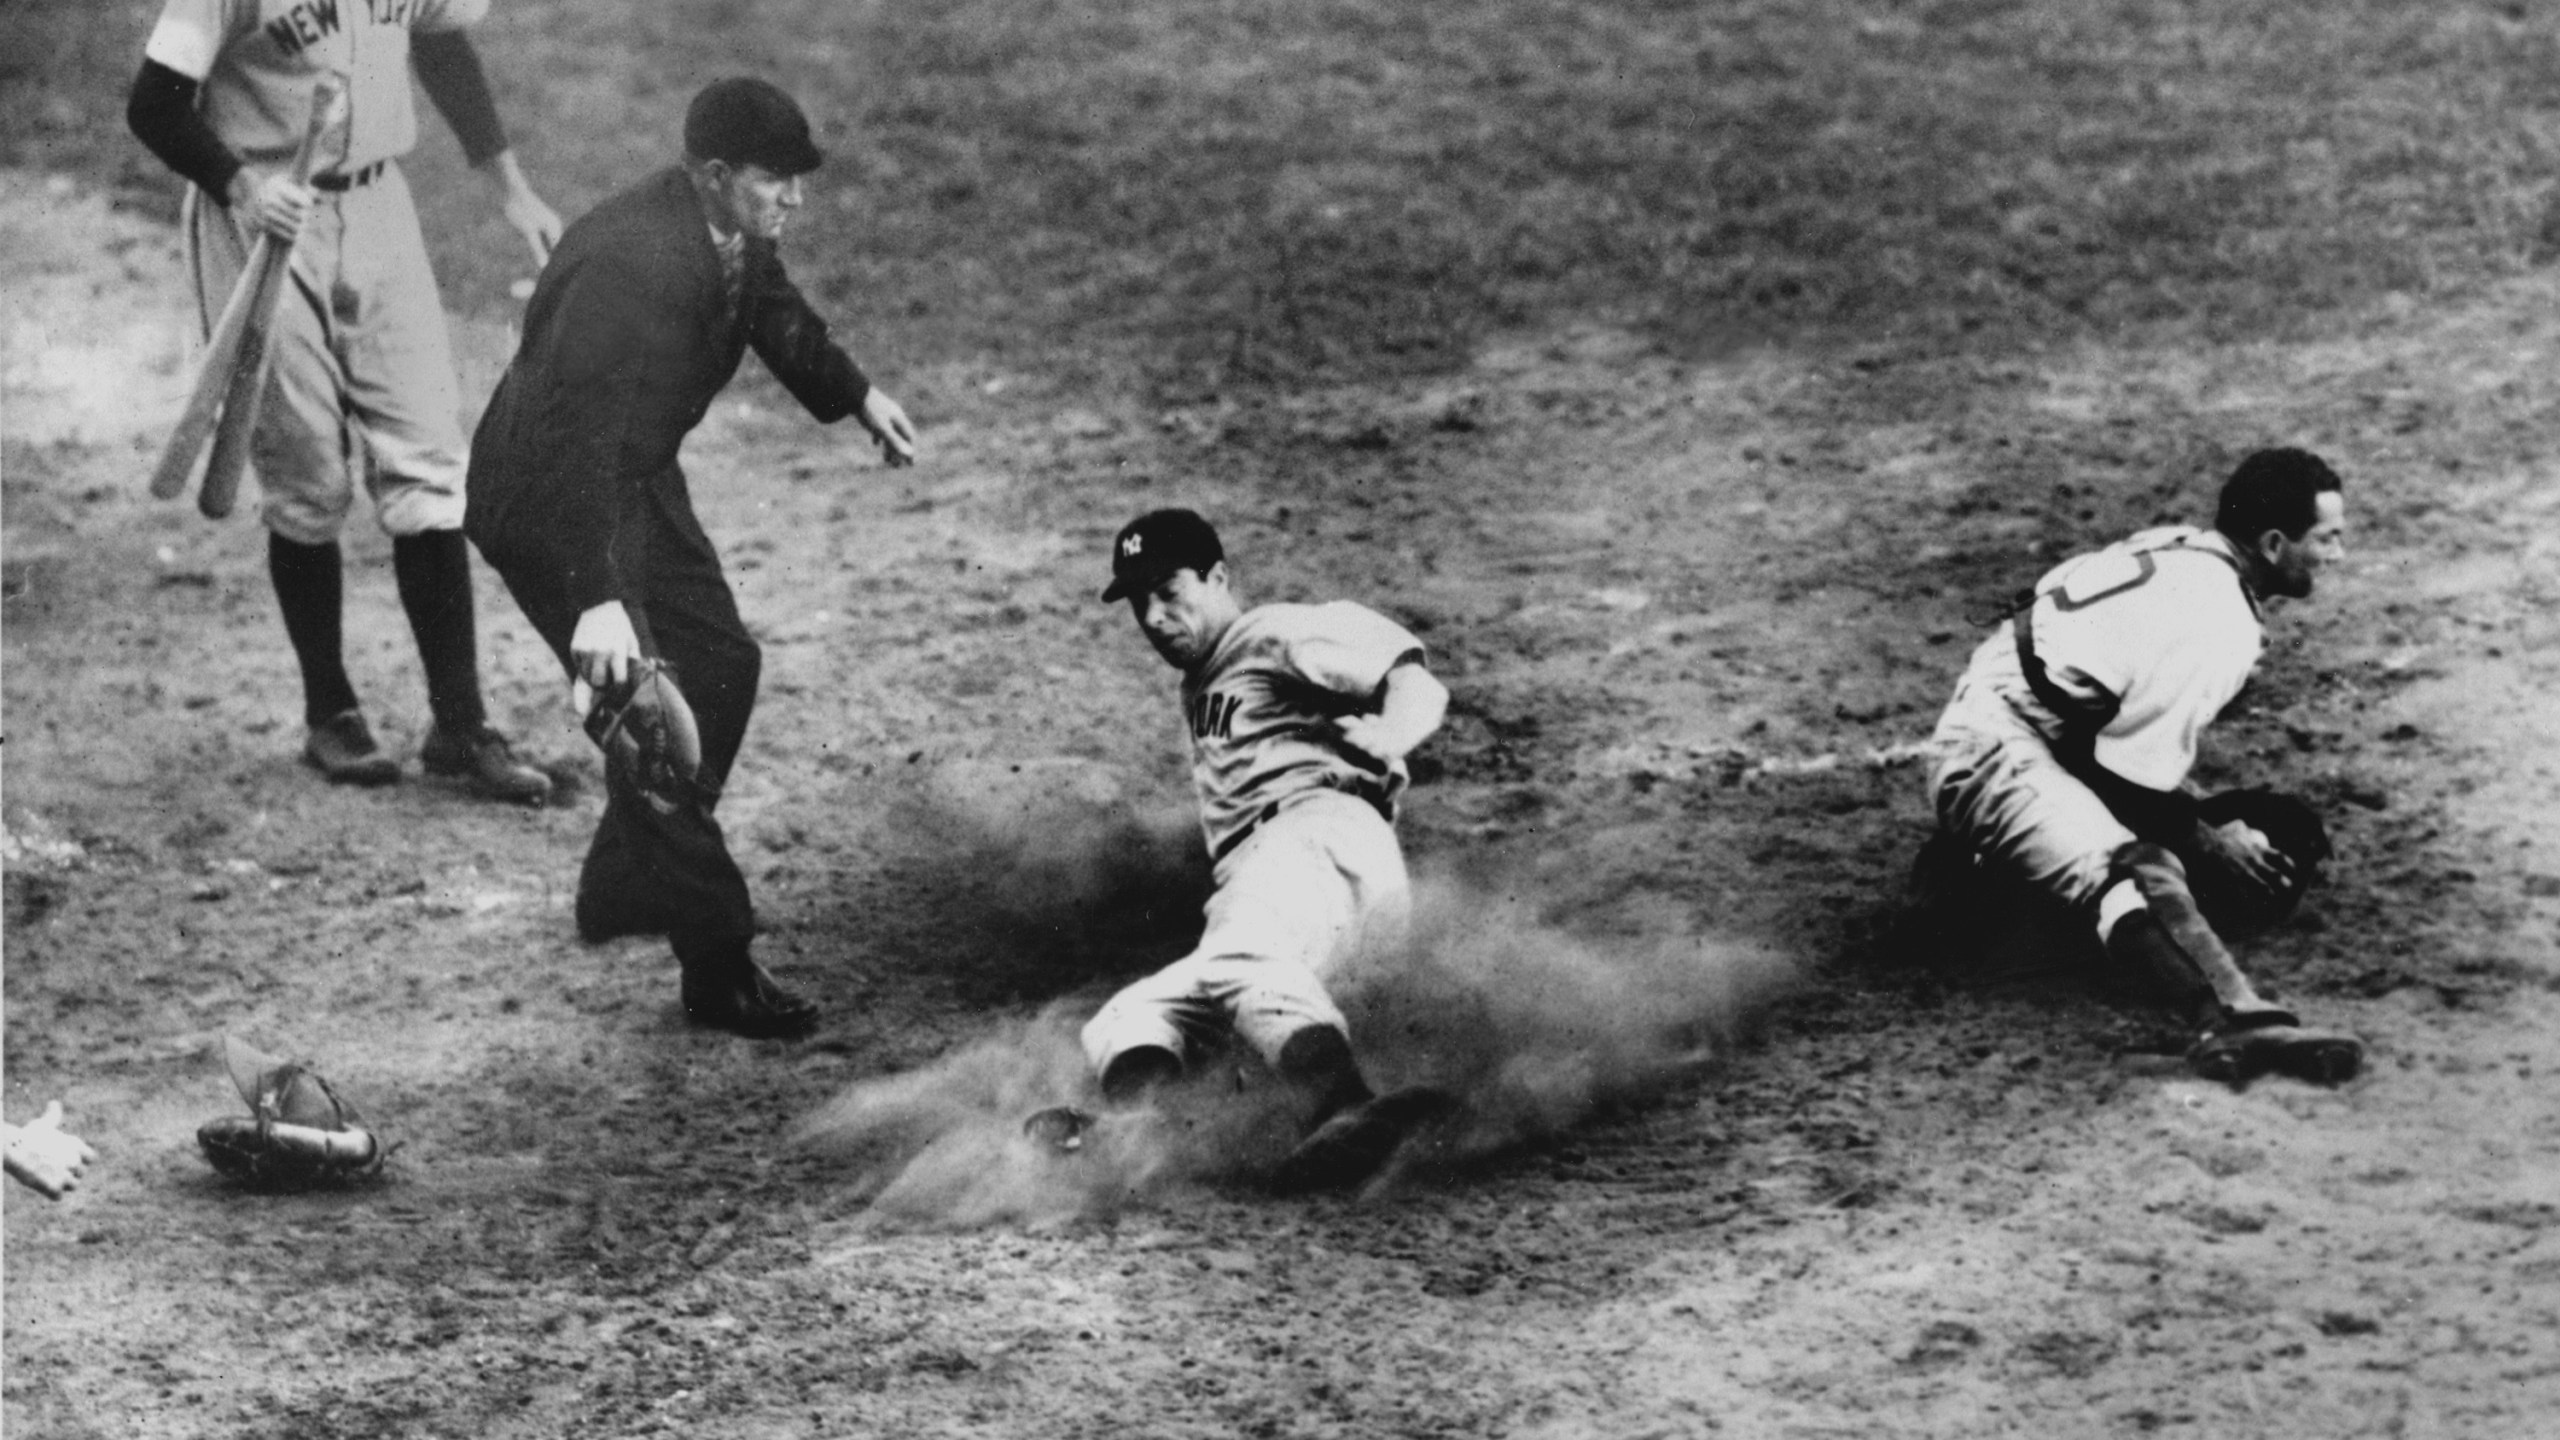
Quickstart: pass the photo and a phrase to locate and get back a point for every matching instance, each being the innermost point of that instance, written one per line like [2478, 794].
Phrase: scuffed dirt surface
[1694, 615]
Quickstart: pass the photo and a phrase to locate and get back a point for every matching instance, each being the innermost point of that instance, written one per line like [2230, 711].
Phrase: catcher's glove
[299, 1131]
[2290, 826]
[648, 735]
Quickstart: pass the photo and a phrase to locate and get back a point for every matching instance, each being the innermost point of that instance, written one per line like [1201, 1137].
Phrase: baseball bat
[204, 405]
[247, 392]
[248, 316]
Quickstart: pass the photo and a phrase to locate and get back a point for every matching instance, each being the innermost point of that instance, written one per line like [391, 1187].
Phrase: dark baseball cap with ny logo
[1155, 545]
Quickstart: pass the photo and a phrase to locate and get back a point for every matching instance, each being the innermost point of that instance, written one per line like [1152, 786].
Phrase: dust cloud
[1533, 1029]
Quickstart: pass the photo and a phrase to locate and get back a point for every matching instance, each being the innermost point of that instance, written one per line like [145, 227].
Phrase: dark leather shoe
[483, 760]
[342, 748]
[744, 1000]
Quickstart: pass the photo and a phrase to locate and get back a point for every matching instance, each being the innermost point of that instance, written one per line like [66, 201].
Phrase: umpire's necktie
[733, 273]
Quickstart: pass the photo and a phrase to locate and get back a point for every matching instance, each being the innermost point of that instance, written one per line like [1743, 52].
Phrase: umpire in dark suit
[639, 321]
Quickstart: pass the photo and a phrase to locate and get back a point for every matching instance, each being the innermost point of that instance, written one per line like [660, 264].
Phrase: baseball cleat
[1359, 1140]
[2236, 1057]
[342, 748]
[486, 762]
[1060, 1128]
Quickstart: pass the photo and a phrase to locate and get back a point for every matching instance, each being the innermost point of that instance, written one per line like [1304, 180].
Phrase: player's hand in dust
[601, 653]
[2248, 853]
[273, 200]
[887, 421]
[46, 1158]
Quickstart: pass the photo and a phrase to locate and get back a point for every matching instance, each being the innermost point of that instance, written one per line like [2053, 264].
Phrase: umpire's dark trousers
[650, 871]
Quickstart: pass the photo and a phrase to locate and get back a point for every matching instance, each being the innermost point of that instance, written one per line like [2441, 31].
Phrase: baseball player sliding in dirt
[2064, 755]
[363, 381]
[1300, 719]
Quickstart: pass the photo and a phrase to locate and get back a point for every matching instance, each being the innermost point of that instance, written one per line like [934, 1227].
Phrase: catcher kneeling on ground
[1300, 719]
[2063, 758]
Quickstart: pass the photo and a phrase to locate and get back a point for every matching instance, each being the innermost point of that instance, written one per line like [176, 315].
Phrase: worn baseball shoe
[485, 761]
[744, 1000]
[342, 749]
[1060, 1128]
[1359, 1140]
[2241, 1054]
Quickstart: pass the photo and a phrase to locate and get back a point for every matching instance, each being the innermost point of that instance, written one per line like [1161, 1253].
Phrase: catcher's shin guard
[2168, 938]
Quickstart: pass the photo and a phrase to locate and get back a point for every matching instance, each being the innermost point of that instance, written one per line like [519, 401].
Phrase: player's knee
[1318, 1058]
[2155, 869]
[1123, 1025]
[302, 521]
[1137, 1072]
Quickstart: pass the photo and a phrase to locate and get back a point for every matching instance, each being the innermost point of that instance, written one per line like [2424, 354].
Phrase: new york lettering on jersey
[303, 26]
[1213, 716]
[308, 22]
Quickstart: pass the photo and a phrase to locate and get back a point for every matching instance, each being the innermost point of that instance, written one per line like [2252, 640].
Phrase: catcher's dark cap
[1158, 543]
[747, 121]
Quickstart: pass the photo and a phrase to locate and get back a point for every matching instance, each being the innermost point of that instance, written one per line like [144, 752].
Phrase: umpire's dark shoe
[744, 1000]
[342, 748]
[483, 759]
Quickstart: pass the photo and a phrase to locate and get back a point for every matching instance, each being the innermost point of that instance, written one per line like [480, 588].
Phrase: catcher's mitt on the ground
[2291, 826]
[299, 1131]
[647, 732]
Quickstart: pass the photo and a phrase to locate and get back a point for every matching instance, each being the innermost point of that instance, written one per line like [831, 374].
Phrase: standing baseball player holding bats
[363, 379]
[579, 503]
[1300, 719]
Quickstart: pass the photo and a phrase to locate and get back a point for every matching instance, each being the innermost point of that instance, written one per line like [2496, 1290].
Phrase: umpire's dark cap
[747, 121]
[1155, 545]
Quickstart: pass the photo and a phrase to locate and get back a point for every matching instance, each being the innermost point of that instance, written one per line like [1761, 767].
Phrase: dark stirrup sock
[311, 590]
[2141, 946]
[434, 573]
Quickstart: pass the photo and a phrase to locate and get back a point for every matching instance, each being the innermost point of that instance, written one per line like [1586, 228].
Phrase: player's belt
[1236, 837]
[339, 184]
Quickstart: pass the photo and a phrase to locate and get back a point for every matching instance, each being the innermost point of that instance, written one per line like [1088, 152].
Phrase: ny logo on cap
[1131, 545]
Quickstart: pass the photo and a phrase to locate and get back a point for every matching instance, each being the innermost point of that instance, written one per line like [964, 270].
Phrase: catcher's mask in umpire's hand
[648, 735]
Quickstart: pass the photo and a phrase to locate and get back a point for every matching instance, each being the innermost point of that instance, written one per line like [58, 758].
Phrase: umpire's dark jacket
[628, 340]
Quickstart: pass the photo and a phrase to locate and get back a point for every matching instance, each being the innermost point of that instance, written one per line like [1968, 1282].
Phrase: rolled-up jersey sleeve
[438, 15]
[191, 33]
[1350, 649]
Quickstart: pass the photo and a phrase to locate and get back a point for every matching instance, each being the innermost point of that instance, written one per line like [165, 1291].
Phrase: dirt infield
[1695, 464]
[1686, 687]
